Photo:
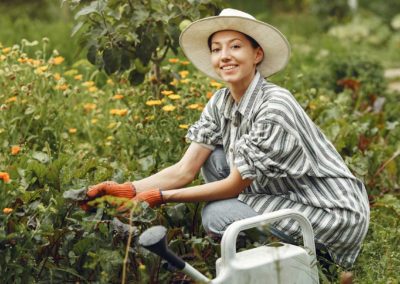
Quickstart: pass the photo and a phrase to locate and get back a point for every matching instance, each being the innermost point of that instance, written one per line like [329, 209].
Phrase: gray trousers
[218, 215]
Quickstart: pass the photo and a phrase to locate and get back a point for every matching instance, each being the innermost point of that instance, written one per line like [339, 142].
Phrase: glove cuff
[153, 197]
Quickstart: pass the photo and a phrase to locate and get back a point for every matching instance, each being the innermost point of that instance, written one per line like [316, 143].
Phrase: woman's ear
[259, 55]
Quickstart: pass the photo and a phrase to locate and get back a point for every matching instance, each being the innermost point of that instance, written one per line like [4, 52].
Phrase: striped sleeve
[270, 150]
[207, 129]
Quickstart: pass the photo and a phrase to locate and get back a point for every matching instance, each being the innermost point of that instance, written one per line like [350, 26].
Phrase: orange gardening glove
[124, 190]
[153, 197]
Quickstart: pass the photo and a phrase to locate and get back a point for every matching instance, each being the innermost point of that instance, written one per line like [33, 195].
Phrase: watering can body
[280, 264]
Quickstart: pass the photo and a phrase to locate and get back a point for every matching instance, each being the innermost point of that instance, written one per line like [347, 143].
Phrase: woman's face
[234, 58]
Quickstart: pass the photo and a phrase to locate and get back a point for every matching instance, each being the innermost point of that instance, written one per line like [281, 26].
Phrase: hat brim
[194, 42]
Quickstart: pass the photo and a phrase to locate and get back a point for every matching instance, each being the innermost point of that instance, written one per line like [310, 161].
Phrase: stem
[395, 155]
[128, 245]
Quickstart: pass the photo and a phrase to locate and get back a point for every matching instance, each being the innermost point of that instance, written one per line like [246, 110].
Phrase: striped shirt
[269, 138]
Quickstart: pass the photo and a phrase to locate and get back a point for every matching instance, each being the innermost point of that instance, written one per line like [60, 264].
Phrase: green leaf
[76, 194]
[136, 78]
[94, 7]
[76, 28]
[41, 157]
[112, 60]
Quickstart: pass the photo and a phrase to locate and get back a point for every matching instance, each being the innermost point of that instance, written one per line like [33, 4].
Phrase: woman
[258, 150]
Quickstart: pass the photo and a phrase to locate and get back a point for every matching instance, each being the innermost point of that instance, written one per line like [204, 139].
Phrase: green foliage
[135, 35]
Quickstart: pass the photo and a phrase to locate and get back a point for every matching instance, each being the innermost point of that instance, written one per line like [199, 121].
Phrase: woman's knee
[215, 167]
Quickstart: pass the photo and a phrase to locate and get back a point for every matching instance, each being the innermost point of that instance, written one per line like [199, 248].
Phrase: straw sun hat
[194, 41]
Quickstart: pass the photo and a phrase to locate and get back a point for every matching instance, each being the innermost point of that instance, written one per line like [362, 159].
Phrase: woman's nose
[225, 54]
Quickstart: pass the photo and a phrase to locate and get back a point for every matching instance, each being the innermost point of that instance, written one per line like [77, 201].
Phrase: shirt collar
[248, 100]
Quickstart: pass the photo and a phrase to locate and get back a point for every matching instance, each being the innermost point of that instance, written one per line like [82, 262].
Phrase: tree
[135, 35]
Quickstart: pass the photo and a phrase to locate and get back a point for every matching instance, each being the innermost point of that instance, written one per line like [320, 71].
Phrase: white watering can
[284, 264]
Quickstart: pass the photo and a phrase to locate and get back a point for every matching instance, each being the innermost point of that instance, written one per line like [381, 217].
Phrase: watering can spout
[154, 239]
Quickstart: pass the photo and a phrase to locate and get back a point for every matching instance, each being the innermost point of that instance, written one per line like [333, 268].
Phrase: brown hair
[253, 42]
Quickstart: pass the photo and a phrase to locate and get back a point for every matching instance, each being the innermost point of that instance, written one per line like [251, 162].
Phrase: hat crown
[235, 13]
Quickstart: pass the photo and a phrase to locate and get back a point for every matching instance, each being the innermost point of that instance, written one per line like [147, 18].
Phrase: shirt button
[231, 150]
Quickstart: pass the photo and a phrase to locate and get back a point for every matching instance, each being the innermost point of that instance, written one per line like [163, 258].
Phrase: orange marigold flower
[118, 97]
[184, 73]
[185, 62]
[61, 87]
[12, 99]
[193, 106]
[215, 84]
[6, 50]
[7, 210]
[88, 84]
[72, 130]
[167, 93]
[119, 112]
[185, 81]
[15, 149]
[168, 108]
[209, 95]
[57, 76]
[22, 60]
[153, 102]
[184, 126]
[5, 176]
[57, 60]
[89, 107]
[173, 60]
[174, 97]
[92, 89]
[41, 69]
[78, 77]
[174, 82]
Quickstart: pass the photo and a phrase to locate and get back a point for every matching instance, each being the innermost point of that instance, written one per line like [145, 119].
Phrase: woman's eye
[235, 46]
[214, 50]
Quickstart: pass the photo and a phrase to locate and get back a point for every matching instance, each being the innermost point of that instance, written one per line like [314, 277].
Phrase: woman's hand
[124, 190]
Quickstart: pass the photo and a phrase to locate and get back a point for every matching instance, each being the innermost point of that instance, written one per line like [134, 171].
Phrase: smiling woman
[257, 148]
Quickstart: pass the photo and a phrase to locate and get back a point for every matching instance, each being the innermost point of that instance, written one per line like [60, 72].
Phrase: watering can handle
[228, 243]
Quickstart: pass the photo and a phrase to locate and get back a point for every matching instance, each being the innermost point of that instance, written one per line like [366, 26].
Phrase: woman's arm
[179, 174]
[222, 189]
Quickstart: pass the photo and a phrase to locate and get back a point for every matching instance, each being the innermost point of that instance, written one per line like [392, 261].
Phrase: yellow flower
[89, 107]
[92, 89]
[183, 126]
[5, 176]
[184, 73]
[110, 138]
[22, 60]
[174, 82]
[94, 120]
[185, 81]
[119, 112]
[173, 60]
[112, 125]
[153, 102]
[41, 69]
[6, 50]
[174, 97]
[118, 97]
[110, 82]
[15, 149]
[78, 77]
[168, 108]
[88, 84]
[61, 87]
[167, 93]
[185, 62]
[215, 84]
[193, 106]
[57, 76]
[12, 99]
[57, 60]
[7, 210]
[2, 57]
[72, 130]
